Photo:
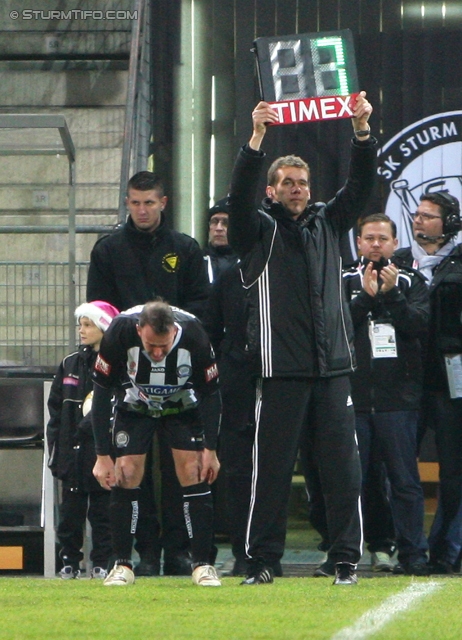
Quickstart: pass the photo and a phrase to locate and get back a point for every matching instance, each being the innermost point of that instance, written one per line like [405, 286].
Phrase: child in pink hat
[72, 451]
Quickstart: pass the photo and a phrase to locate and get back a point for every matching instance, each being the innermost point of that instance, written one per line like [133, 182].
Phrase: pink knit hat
[100, 312]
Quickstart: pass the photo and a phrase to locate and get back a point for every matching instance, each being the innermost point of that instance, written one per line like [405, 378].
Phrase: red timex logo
[314, 109]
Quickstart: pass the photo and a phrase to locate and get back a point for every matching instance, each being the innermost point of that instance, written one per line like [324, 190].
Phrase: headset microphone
[431, 238]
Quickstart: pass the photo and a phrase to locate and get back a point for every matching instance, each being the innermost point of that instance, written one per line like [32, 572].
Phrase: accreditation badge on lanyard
[383, 339]
[454, 373]
[382, 335]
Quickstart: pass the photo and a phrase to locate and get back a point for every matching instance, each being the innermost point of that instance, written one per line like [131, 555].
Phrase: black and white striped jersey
[176, 384]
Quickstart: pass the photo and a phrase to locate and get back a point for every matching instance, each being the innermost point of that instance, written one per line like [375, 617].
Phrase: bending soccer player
[159, 361]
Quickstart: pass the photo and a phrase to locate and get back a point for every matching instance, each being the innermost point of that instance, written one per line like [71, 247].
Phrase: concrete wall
[88, 85]
[77, 68]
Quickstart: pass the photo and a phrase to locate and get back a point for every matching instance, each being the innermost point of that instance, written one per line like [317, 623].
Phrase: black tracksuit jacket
[445, 330]
[299, 324]
[388, 384]
[70, 440]
[225, 322]
[218, 260]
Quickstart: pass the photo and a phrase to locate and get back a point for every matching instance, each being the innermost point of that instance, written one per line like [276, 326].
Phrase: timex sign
[308, 77]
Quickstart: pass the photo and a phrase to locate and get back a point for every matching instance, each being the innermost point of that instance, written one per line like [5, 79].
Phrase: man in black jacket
[390, 312]
[145, 259]
[142, 260]
[224, 321]
[218, 255]
[438, 257]
[300, 333]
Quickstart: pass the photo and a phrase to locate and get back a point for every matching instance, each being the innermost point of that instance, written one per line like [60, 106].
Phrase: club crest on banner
[424, 157]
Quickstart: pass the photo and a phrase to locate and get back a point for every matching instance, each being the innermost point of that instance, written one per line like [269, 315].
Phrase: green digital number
[329, 66]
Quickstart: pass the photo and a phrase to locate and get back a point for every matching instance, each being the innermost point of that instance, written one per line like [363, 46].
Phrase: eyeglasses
[425, 216]
[214, 222]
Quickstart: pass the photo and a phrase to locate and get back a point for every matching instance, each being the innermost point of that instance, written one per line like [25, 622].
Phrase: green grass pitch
[173, 608]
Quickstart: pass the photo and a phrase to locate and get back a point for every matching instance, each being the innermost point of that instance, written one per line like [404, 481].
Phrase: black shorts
[132, 432]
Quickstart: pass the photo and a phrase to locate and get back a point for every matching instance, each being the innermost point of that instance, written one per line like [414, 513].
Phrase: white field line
[373, 620]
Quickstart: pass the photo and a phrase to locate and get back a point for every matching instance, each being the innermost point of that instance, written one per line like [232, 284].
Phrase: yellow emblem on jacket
[171, 262]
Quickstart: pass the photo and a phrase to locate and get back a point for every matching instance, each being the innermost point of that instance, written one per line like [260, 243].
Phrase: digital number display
[304, 66]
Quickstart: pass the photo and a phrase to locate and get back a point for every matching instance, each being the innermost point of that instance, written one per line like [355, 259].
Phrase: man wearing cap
[225, 322]
[72, 449]
[218, 255]
[438, 257]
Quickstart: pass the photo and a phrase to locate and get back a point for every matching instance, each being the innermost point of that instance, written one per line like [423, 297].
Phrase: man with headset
[437, 256]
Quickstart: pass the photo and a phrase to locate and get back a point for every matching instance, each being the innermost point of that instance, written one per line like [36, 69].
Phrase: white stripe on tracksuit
[255, 461]
[265, 324]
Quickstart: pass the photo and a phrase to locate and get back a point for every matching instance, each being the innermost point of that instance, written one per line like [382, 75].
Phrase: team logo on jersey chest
[171, 262]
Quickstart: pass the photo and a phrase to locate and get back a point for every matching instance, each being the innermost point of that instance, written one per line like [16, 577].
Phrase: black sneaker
[239, 567]
[324, 545]
[441, 567]
[345, 573]
[398, 569]
[178, 565]
[262, 575]
[98, 573]
[145, 568]
[416, 568]
[277, 569]
[69, 572]
[325, 570]
[457, 563]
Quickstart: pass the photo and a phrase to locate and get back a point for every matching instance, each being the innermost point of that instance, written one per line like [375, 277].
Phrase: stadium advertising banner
[425, 156]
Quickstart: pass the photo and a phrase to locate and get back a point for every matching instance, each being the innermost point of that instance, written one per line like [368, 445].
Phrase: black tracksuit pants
[74, 509]
[280, 413]
[445, 417]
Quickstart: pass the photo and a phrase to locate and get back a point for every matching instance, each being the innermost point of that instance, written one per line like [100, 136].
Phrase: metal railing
[34, 311]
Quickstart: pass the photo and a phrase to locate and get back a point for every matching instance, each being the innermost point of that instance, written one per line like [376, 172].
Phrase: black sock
[123, 516]
[198, 515]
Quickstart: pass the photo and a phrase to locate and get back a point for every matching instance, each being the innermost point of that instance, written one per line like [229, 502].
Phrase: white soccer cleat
[205, 576]
[120, 576]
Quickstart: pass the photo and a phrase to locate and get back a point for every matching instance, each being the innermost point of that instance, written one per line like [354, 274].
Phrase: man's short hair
[146, 181]
[158, 315]
[286, 161]
[377, 217]
[450, 210]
